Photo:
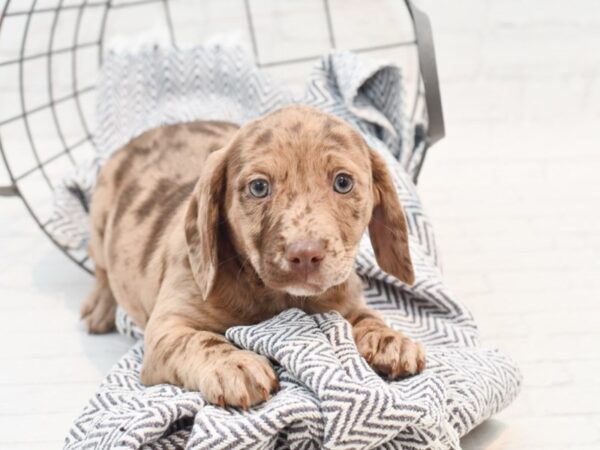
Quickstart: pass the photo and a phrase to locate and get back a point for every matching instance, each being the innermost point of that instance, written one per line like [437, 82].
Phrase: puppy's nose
[305, 255]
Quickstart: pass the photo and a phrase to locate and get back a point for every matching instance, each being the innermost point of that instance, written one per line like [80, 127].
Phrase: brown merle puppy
[202, 226]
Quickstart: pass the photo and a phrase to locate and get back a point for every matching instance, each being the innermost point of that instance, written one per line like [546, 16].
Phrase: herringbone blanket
[329, 396]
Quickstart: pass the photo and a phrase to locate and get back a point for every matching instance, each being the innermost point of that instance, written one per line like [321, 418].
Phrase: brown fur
[182, 245]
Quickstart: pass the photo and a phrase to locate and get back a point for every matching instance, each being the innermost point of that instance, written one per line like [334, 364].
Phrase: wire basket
[51, 51]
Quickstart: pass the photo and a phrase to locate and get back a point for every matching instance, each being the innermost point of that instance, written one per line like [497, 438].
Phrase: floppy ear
[202, 221]
[387, 228]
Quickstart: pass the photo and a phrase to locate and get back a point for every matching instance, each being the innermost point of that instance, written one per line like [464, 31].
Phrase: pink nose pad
[305, 255]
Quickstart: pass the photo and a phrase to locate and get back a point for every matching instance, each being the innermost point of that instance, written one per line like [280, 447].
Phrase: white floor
[513, 191]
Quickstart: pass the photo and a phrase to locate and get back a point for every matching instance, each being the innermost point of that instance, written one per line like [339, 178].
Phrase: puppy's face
[299, 197]
[297, 188]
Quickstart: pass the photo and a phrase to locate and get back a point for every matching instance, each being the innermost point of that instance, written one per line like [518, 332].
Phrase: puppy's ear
[387, 228]
[202, 221]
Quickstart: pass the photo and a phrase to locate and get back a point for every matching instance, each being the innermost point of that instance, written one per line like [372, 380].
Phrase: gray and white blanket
[329, 396]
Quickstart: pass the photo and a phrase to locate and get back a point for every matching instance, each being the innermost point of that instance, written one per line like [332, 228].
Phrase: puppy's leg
[99, 309]
[204, 361]
[388, 351]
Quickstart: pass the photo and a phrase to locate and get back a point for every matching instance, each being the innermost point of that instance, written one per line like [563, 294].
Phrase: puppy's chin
[304, 291]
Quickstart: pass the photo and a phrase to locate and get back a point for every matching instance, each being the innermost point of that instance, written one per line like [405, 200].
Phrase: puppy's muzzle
[305, 256]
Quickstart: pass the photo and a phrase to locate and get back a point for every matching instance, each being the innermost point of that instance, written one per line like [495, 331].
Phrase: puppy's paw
[99, 311]
[240, 378]
[390, 352]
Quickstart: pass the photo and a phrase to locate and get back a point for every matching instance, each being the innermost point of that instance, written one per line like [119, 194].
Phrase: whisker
[226, 260]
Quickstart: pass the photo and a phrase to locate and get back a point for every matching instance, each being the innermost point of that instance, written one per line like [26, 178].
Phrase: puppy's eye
[343, 183]
[259, 188]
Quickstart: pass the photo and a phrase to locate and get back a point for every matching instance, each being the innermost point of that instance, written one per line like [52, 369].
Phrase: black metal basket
[51, 50]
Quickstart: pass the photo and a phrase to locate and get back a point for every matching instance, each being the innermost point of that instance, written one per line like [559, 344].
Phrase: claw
[222, 401]
[265, 393]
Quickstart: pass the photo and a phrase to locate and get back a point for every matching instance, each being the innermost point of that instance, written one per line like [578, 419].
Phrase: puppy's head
[293, 193]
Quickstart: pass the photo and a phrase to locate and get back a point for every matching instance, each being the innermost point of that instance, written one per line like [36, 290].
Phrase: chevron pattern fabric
[329, 396]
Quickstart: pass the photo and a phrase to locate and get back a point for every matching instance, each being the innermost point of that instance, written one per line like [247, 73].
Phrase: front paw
[240, 378]
[390, 352]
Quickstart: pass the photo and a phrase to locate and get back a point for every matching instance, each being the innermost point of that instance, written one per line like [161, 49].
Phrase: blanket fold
[329, 398]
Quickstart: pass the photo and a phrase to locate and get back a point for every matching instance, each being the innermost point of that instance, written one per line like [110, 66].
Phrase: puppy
[199, 227]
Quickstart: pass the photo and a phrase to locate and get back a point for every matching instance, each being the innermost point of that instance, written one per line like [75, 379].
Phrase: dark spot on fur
[268, 227]
[296, 127]
[213, 342]
[176, 378]
[100, 232]
[160, 341]
[179, 344]
[125, 200]
[264, 138]
[179, 145]
[339, 139]
[163, 269]
[258, 237]
[344, 236]
[101, 226]
[160, 192]
[328, 125]
[170, 131]
[190, 227]
[385, 342]
[358, 319]
[126, 162]
[166, 212]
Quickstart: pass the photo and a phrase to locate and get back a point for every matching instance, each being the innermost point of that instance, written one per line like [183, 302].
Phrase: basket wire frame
[75, 147]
